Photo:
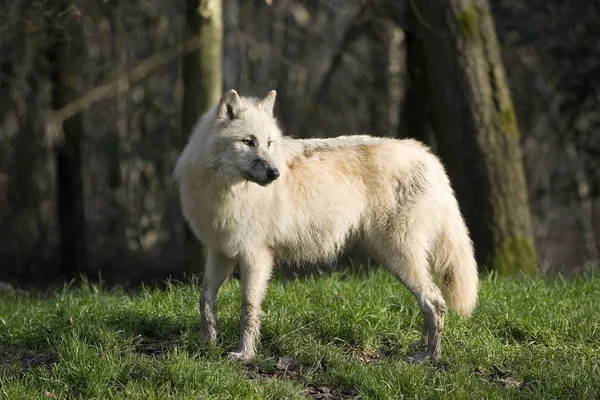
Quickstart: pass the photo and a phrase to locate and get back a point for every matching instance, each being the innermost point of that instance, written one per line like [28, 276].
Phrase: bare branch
[109, 89]
[12, 81]
[264, 49]
[357, 27]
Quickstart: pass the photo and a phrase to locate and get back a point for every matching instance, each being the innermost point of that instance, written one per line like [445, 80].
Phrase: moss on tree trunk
[476, 129]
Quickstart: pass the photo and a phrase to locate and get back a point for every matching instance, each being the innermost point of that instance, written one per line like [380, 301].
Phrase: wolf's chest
[232, 222]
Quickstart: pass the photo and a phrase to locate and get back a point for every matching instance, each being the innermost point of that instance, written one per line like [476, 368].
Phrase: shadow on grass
[157, 335]
[17, 360]
[31, 350]
[514, 333]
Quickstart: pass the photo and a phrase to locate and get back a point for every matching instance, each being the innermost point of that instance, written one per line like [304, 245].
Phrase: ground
[341, 336]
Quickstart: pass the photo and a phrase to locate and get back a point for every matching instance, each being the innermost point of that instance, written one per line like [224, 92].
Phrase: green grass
[529, 338]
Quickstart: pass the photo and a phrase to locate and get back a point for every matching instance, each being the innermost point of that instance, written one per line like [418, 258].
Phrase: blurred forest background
[92, 114]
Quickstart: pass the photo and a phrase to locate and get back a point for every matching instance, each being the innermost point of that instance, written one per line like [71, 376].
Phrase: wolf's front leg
[255, 272]
[217, 268]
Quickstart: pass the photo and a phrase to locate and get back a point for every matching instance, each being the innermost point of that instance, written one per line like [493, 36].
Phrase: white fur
[391, 195]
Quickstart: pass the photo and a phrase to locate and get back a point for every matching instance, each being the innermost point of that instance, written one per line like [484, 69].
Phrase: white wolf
[253, 196]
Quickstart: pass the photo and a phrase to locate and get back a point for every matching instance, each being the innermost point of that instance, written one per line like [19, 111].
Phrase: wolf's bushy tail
[455, 266]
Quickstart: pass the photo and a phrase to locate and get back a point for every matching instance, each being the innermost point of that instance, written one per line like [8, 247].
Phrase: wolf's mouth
[250, 178]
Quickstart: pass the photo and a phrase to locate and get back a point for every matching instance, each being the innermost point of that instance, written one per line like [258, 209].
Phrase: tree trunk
[231, 46]
[28, 234]
[115, 220]
[476, 129]
[415, 116]
[203, 82]
[387, 64]
[66, 47]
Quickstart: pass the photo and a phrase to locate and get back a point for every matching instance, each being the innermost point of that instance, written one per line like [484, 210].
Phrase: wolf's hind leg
[217, 268]
[410, 265]
[255, 274]
[433, 307]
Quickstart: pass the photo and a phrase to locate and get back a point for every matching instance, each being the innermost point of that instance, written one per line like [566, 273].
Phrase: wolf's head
[245, 138]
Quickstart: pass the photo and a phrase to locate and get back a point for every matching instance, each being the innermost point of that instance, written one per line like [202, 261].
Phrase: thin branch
[423, 22]
[109, 89]
[12, 81]
[357, 27]
[264, 49]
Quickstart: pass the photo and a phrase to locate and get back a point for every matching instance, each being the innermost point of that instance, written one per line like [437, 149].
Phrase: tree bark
[415, 116]
[115, 221]
[203, 87]
[476, 129]
[28, 231]
[66, 35]
[387, 62]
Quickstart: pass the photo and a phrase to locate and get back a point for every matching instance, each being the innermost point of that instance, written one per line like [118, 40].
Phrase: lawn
[338, 336]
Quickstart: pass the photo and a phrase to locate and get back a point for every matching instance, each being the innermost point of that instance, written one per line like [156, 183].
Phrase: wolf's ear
[229, 106]
[268, 102]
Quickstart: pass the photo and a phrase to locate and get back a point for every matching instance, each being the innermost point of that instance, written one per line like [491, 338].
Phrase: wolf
[254, 197]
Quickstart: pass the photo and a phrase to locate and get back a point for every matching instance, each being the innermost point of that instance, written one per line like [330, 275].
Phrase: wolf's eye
[248, 142]
[269, 143]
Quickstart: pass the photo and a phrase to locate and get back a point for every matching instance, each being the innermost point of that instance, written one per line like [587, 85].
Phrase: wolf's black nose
[272, 174]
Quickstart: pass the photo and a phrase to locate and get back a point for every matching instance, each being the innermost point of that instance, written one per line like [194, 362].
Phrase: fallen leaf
[324, 389]
[366, 355]
[286, 364]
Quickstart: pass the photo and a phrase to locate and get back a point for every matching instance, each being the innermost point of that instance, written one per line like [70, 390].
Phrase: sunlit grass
[347, 334]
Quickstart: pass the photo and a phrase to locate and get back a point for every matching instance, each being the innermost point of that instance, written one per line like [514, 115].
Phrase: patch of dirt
[367, 355]
[25, 358]
[148, 347]
[288, 368]
[327, 393]
[287, 365]
[498, 376]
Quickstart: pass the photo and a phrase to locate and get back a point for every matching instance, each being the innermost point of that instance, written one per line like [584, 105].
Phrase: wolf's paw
[240, 355]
